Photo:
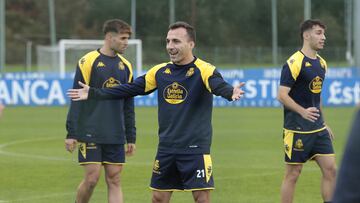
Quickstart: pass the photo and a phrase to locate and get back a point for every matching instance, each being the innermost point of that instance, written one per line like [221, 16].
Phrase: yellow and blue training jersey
[102, 122]
[185, 96]
[304, 76]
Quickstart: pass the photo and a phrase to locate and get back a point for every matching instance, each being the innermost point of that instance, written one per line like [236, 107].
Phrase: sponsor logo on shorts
[299, 146]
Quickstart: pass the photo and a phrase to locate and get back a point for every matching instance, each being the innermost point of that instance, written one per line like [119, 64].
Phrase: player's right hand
[311, 114]
[70, 145]
[79, 94]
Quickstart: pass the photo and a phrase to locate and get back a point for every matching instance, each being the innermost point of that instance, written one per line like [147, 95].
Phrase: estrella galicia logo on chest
[111, 82]
[315, 85]
[175, 93]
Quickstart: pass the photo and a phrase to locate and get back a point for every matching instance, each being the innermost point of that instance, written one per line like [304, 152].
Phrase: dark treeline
[225, 23]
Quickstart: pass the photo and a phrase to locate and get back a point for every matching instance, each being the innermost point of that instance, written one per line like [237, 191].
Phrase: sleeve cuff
[131, 139]
[69, 136]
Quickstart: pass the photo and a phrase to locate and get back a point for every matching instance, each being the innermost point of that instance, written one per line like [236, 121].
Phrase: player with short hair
[306, 136]
[102, 128]
[185, 95]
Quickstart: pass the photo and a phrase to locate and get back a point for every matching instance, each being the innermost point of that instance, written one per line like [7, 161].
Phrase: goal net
[64, 57]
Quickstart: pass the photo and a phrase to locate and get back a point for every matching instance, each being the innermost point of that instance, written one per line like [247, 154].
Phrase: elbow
[280, 98]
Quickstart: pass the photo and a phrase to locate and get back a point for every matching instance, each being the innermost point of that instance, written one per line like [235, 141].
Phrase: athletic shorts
[182, 172]
[92, 153]
[302, 147]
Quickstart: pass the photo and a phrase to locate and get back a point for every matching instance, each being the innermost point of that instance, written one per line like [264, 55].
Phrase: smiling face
[179, 46]
[315, 37]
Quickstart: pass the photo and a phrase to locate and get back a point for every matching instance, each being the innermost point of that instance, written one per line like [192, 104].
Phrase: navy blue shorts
[302, 147]
[189, 172]
[92, 153]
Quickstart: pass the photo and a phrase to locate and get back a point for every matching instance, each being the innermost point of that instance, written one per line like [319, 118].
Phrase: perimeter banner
[341, 88]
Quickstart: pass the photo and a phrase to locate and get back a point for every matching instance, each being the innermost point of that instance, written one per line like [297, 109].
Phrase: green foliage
[247, 156]
[225, 23]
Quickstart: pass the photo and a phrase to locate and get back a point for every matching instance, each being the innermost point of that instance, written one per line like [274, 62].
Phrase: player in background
[306, 136]
[102, 128]
[185, 95]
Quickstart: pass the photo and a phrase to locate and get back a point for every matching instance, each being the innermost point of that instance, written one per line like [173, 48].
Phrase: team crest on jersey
[100, 65]
[167, 71]
[190, 72]
[316, 85]
[299, 146]
[121, 65]
[175, 93]
[292, 61]
[156, 167]
[111, 82]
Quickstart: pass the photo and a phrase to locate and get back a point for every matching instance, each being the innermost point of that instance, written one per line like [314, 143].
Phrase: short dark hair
[190, 30]
[309, 24]
[117, 26]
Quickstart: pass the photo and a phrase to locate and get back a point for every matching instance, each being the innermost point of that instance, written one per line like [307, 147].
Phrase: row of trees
[225, 23]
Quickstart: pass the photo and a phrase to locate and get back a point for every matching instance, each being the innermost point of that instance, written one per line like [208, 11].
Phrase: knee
[113, 180]
[158, 197]
[293, 175]
[330, 172]
[91, 181]
[202, 196]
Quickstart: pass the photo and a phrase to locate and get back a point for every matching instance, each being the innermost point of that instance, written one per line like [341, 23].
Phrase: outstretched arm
[220, 87]
[118, 92]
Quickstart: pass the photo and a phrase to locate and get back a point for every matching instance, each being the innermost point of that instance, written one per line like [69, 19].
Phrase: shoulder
[295, 60]
[124, 60]
[203, 64]
[322, 62]
[294, 63]
[157, 67]
[88, 59]
[204, 67]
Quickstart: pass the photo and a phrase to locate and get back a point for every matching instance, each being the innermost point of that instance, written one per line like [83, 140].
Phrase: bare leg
[87, 185]
[201, 196]
[161, 197]
[112, 177]
[327, 165]
[292, 173]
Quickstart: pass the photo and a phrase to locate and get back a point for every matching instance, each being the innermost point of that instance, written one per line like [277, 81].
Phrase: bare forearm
[289, 103]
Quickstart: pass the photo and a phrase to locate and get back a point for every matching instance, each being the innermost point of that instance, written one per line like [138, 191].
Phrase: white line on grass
[43, 197]
[2, 146]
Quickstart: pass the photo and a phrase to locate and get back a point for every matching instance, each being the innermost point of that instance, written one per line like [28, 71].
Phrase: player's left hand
[79, 94]
[130, 149]
[331, 134]
[238, 92]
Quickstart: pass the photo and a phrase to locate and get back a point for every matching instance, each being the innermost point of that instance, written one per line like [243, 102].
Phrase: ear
[192, 44]
[108, 36]
[306, 35]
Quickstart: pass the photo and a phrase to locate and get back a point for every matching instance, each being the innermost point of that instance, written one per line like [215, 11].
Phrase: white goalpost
[133, 53]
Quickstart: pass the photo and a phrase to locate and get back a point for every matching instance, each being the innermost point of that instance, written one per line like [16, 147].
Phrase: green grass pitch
[247, 156]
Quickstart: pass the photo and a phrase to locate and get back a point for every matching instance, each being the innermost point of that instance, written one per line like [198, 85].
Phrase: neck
[186, 60]
[309, 52]
[107, 51]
